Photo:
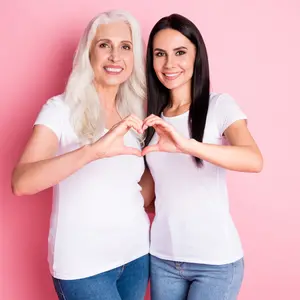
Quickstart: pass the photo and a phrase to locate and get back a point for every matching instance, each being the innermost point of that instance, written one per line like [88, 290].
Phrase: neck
[108, 96]
[181, 96]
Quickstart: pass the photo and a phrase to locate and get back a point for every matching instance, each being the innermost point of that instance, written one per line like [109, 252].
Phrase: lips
[113, 70]
[171, 76]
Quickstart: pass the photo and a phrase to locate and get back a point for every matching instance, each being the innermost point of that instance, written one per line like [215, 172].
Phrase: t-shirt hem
[197, 261]
[61, 276]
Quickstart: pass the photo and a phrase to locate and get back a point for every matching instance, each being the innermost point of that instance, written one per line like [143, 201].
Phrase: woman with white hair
[86, 144]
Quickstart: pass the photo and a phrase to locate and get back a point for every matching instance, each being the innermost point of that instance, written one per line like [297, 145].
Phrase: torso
[193, 221]
[98, 220]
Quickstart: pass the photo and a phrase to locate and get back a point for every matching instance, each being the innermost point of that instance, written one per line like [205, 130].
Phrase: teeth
[171, 75]
[116, 70]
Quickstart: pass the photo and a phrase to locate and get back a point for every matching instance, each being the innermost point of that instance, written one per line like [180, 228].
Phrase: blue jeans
[128, 282]
[172, 280]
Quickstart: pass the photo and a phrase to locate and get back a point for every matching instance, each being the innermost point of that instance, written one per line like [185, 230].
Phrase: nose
[114, 55]
[169, 62]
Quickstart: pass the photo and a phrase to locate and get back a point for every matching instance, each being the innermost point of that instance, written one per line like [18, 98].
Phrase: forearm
[31, 178]
[235, 158]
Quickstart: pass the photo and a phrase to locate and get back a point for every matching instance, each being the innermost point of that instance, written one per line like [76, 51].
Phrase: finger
[152, 119]
[148, 149]
[131, 151]
[149, 119]
[137, 120]
[140, 122]
[121, 128]
[134, 124]
[156, 125]
[159, 129]
[159, 122]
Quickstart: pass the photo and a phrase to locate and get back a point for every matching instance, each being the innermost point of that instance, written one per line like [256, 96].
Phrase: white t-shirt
[193, 221]
[98, 220]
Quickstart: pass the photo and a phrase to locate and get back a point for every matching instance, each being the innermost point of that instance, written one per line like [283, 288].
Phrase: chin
[114, 82]
[171, 85]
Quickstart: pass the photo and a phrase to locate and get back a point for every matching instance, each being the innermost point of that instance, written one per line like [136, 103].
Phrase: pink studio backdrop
[254, 55]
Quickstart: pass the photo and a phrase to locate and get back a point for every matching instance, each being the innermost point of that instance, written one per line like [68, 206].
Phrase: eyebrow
[108, 40]
[175, 49]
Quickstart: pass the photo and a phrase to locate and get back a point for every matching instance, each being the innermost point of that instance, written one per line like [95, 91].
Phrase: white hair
[80, 93]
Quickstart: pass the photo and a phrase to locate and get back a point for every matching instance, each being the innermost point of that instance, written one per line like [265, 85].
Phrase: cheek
[157, 66]
[129, 61]
[186, 63]
[188, 66]
[97, 58]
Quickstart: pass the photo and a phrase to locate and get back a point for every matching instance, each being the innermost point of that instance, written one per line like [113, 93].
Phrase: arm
[38, 169]
[241, 155]
[147, 192]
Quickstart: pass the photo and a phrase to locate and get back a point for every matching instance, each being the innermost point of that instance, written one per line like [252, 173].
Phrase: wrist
[89, 153]
[191, 147]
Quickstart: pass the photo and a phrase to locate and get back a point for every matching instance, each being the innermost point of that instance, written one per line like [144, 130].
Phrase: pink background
[254, 55]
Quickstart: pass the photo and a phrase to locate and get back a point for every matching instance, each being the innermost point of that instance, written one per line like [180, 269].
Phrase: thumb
[148, 149]
[131, 151]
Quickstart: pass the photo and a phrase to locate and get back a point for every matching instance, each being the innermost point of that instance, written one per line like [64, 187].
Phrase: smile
[171, 76]
[113, 70]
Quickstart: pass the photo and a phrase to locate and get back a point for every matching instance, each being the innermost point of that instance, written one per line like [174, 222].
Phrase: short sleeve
[227, 112]
[51, 115]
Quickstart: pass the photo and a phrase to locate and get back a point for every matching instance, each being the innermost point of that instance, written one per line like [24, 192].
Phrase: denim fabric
[172, 280]
[128, 282]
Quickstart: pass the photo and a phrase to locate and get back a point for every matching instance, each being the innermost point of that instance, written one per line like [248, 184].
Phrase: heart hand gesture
[112, 143]
[168, 139]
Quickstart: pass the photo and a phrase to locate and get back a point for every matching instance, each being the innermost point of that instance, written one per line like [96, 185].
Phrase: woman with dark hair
[194, 135]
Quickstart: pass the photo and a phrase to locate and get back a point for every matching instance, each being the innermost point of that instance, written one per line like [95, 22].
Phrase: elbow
[16, 190]
[18, 187]
[257, 165]
[15, 185]
[19, 191]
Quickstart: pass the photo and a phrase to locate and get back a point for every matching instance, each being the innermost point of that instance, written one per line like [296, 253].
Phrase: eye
[159, 54]
[126, 47]
[180, 52]
[103, 45]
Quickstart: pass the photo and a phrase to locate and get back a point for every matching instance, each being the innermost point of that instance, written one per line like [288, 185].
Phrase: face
[111, 54]
[173, 58]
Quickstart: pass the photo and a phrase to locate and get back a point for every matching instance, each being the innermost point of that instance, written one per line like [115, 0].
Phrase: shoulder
[56, 103]
[54, 114]
[217, 99]
[223, 104]
[55, 107]
[225, 110]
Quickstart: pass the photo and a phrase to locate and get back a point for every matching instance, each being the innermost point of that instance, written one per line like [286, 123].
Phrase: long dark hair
[158, 94]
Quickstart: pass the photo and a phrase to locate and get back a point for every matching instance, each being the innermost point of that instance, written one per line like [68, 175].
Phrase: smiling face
[111, 54]
[173, 58]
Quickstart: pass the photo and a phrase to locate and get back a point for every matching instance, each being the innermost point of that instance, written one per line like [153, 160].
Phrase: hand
[112, 143]
[168, 139]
